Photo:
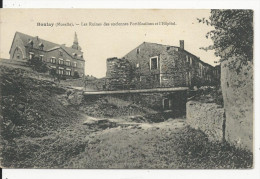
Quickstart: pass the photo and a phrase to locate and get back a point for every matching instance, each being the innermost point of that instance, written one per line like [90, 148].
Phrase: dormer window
[41, 46]
[30, 43]
[74, 55]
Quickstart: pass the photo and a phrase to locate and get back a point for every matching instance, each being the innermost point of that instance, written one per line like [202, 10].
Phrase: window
[53, 60]
[61, 53]
[137, 65]
[187, 58]
[31, 55]
[138, 50]
[75, 64]
[68, 72]
[41, 46]
[60, 71]
[154, 63]
[30, 43]
[41, 58]
[67, 63]
[18, 56]
[166, 104]
[61, 62]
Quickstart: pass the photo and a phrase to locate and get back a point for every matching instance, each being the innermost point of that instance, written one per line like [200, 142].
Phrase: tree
[232, 35]
[37, 65]
[76, 74]
[53, 73]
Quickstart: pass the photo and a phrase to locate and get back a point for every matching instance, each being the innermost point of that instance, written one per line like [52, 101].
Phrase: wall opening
[166, 104]
[153, 63]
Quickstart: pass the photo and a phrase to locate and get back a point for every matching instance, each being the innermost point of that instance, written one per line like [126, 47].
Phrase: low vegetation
[209, 94]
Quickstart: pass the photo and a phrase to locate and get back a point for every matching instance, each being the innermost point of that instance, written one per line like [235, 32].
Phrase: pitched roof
[47, 45]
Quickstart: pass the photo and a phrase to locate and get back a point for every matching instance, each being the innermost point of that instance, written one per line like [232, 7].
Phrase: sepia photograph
[127, 88]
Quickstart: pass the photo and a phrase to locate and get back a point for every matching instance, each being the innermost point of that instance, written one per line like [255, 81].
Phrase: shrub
[37, 65]
[76, 74]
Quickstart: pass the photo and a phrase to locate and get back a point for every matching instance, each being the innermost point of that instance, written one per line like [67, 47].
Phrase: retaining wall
[237, 89]
[208, 117]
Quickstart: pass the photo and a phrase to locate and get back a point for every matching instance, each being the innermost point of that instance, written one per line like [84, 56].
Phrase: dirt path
[127, 144]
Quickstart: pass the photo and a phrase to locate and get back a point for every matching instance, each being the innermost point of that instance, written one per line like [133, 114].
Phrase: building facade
[155, 65]
[67, 61]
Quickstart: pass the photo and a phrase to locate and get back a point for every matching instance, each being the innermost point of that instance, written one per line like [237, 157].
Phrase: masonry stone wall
[208, 117]
[173, 67]
[118, 74]
[237, 89]
[176, 101]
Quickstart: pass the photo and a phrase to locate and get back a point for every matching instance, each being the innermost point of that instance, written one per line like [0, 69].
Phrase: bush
[53, 72]
[76, 74]
[63, 77]
[37, 65]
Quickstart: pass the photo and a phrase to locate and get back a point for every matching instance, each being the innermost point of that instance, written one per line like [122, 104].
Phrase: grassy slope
[38, 131]
[32, 119]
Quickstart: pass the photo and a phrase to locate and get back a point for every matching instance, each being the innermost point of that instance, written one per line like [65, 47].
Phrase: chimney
[182, 44]
[37, 38]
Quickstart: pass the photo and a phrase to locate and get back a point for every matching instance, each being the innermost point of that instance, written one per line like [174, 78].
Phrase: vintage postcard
[126, 88]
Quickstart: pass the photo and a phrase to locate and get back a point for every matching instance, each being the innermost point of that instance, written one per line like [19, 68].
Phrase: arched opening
[18, 54]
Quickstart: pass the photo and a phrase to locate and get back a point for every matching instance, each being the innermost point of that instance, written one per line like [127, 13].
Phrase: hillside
[50, 125]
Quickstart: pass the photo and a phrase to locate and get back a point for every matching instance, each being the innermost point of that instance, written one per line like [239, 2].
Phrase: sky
[101, 42]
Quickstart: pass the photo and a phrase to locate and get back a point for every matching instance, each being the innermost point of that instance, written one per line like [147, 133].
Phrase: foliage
[38, 65]
[76, 74]
[207, 94]
[53, 72]
[232, 35]
[62, 77]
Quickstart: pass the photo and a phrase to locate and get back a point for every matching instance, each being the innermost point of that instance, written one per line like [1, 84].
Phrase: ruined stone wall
[155, 101]
[173, 68]
[237, 89]
[208, 117]
[118, 74]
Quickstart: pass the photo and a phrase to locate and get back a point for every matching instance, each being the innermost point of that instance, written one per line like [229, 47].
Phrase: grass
[183, 148]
